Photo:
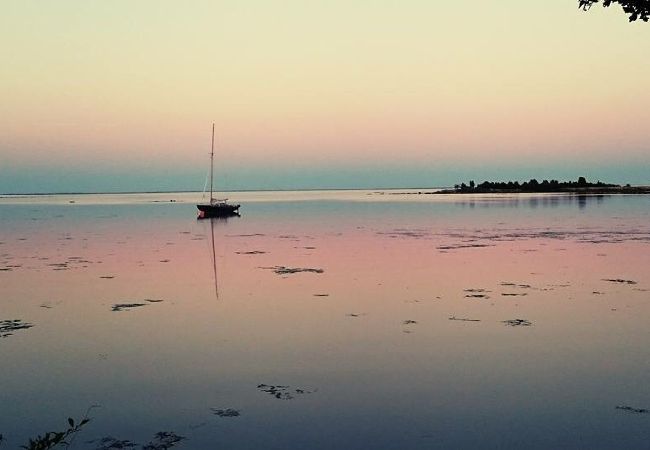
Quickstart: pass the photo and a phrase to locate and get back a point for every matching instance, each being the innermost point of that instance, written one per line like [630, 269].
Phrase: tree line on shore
[530, 186]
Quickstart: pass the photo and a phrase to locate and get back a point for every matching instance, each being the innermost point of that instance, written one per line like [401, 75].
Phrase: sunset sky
[120, 95]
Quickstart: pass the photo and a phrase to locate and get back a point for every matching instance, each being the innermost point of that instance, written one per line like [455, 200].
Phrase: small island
[581, 186]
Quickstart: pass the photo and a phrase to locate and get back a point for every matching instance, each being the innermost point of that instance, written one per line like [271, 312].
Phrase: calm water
[365, 353]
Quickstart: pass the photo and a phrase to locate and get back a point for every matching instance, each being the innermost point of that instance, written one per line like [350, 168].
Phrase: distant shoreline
[579, 191]
[581, 186]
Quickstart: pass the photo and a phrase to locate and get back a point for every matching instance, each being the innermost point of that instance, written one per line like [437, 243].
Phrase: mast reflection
[218, 220]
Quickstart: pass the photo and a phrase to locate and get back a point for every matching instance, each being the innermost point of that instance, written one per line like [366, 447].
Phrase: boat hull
[217, 210]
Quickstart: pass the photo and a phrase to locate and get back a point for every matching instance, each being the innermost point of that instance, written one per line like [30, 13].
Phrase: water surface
[395, 340]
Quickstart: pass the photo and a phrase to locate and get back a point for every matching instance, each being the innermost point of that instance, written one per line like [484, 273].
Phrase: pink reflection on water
[375, 324]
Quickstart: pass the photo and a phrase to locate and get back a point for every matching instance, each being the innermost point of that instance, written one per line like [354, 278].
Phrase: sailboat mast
[211, 162]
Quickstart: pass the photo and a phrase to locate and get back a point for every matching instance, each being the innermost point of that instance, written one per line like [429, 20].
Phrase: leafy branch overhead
[636, 9]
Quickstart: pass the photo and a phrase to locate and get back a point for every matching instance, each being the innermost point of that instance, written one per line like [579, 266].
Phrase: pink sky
[318, 86]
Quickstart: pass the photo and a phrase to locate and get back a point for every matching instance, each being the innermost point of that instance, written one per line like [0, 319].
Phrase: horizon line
[183, 191]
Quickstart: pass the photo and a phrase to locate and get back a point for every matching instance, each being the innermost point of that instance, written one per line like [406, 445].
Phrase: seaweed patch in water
[7, 327]
[110, 443]
[619, 280]
[517, 322]
[463, 319]
[162, 440]
[398, 233]
[126, 306]
[228, 412]
[522, 286]
[282, 392]
[633, 410]
[461, 246]
[282, 270]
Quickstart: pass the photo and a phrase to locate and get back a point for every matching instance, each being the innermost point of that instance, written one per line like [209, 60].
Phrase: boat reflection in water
[219, 220]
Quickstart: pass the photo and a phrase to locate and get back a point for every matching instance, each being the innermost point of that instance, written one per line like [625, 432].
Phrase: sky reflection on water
[366, 348]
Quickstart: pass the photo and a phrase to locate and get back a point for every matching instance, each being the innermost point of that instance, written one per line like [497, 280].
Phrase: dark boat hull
[218, 210]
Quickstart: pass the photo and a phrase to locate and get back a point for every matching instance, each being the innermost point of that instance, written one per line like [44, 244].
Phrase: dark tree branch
[637, 9]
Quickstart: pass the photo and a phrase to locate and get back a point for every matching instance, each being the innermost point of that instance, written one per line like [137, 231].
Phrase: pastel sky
[120, 95]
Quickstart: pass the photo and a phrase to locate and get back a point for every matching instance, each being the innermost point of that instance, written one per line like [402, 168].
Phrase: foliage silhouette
[53, 439]
[636, 9]
[529, 186]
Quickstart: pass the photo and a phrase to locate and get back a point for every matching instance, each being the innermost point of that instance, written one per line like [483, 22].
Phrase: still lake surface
[401, 342]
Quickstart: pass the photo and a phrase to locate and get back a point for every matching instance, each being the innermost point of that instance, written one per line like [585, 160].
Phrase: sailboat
[216, 207]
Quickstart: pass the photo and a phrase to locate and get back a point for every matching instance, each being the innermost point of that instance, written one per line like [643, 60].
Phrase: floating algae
[126, 306]
[522, 286]
[7, 327]
[110, 443]
[282, 270]
[461, 246]
[282, 392]
[633, 410]
[162, 440]
[463, 319]
[619, 280]
[228, 412]
[517, 322]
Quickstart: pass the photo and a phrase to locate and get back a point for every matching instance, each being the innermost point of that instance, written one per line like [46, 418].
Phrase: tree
[637, 9]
